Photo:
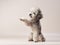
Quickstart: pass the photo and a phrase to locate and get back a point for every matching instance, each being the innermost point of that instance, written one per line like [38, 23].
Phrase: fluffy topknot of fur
[35, 10]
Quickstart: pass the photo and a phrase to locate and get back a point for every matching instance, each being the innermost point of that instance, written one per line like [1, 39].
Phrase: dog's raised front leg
[28, 23]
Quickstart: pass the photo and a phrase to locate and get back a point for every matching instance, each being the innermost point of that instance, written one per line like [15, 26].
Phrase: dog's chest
[35, 26]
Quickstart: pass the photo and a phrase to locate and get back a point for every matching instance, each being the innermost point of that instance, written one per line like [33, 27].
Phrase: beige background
[12, 10]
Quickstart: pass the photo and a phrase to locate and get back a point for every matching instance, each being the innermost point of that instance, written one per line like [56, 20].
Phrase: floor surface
[51, 39]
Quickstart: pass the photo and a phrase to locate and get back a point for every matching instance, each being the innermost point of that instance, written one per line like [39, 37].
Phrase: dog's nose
[30, 14]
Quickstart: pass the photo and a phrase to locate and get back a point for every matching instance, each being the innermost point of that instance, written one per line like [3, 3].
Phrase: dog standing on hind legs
[36, 34]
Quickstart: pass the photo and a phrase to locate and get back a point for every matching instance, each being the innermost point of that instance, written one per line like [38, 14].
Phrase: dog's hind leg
[41, 38]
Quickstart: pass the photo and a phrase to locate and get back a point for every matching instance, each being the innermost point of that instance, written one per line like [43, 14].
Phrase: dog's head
[35, 14]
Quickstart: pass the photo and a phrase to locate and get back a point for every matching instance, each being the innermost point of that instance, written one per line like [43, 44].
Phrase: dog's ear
[39, 15]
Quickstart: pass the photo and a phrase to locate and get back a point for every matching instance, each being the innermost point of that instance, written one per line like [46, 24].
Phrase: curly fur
[35, 25]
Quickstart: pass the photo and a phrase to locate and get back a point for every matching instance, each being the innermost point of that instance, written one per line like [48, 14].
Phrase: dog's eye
[34, 13]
